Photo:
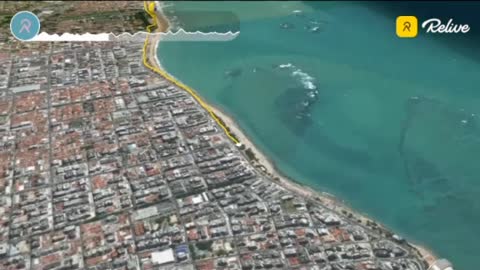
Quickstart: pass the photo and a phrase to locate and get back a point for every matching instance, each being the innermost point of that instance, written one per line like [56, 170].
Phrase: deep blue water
[389, 125]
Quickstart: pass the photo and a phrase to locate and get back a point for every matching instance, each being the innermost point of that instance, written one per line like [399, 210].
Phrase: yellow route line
[176, 82]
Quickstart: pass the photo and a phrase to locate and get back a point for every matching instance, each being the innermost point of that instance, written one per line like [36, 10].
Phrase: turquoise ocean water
[389, 125]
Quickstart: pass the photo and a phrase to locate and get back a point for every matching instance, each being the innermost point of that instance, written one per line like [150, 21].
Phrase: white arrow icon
[26, 24]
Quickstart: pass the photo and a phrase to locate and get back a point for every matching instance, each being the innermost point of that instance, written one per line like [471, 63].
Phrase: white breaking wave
[285, 65]
[179, 35]
[305, 79]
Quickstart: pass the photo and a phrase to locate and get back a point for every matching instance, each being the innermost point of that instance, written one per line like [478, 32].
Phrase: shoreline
[163, 25]
[268, 168]
[328, 200]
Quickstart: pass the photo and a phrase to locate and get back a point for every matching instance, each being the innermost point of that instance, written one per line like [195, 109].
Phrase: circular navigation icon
[24, 25]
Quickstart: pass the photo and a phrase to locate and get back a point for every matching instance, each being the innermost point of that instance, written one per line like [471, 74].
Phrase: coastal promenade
[261, 162]
[161, 24]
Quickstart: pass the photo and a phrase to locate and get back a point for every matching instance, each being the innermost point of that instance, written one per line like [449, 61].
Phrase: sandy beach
[266, 166]
[162, 25]
[269, 168]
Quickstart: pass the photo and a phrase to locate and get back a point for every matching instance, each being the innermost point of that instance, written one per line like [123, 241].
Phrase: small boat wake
[233, 73]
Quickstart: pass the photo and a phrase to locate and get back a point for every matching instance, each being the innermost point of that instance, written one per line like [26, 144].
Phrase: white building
[163, 257]
[441, 264]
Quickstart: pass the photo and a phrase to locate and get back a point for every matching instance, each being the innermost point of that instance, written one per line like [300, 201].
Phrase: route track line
[178, 83]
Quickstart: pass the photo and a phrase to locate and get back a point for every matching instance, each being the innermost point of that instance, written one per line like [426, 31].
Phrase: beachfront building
[441, 264]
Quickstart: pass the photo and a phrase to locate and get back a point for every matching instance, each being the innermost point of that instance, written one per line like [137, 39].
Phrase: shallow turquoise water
[393, 129]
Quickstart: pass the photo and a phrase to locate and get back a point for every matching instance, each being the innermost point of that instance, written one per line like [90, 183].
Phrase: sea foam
[304, 78]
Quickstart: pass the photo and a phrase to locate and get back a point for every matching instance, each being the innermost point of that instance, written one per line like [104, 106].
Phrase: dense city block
[106, 165]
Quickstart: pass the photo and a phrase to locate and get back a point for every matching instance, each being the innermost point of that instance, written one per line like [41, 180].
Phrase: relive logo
[407, 26]
[434, 25]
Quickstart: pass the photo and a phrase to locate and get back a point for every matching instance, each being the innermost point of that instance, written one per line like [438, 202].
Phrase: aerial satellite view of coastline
[313, 135]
